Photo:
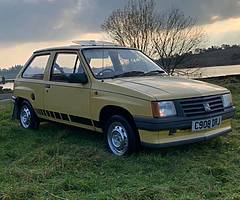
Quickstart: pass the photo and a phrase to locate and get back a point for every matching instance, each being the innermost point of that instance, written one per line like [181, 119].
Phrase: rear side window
[35, 70]
[66, 64]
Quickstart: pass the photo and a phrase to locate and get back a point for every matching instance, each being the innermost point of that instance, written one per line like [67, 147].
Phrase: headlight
[163, 109]
[227, 100]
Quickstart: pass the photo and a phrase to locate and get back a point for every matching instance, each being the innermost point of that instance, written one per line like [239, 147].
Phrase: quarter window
[36, 68]
[65, 64]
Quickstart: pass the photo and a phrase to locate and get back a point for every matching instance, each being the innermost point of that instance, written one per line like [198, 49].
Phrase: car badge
[207, 107]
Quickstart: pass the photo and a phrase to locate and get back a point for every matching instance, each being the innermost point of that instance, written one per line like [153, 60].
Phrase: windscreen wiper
[154, 72]
[129, 74]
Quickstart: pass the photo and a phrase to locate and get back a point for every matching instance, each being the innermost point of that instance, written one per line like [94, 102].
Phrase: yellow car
[121, 92]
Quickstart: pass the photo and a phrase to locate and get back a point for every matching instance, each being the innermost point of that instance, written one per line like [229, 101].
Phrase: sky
[28, 25]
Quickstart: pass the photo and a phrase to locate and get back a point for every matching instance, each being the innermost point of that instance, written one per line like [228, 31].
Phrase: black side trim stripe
[97, 124]
[57, 115]
[81, 120]
[62, 116]
[48, 113]
[52, 115]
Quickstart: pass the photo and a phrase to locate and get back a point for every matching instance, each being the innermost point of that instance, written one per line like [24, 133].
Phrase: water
[206, 72]
[193, 72]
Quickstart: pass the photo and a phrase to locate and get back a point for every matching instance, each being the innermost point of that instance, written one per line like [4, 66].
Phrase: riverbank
[208, 72]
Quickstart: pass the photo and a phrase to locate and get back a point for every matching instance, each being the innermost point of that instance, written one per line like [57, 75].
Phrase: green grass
[59, 162]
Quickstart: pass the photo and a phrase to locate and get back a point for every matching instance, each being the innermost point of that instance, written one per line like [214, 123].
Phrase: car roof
[87, 44]
[78, 47]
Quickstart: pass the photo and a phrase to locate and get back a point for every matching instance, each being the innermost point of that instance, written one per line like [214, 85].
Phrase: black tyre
[121, 138]
[27, 116]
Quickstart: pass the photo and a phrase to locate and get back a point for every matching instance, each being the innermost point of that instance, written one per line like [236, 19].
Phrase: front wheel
[28, 118]
[121, 138]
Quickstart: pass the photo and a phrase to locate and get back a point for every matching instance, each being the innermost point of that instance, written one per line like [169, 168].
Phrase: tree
[167, 36]
[177, 35]
[134, 25]
[10, 73]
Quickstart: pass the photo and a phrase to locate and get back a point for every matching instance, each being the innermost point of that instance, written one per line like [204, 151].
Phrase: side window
[35, 70]
[65, 64]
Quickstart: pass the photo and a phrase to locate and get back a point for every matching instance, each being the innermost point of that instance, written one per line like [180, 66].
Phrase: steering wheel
[56, 66]
[104, 70]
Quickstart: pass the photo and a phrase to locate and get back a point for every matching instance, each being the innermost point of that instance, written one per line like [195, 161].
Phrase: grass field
[59, 162]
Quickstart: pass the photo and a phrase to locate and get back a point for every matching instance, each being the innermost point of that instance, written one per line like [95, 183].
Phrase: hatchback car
[122, 93]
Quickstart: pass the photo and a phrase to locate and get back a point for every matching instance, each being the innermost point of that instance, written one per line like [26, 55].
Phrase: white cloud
[215, 18]
[225, 31]
[20, 53]
[32, 24]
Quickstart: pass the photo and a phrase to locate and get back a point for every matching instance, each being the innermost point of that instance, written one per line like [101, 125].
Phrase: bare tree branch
[176, 36]
[133, 25]
[168, 36]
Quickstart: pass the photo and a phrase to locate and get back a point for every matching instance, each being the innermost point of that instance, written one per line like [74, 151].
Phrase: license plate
[203, 124]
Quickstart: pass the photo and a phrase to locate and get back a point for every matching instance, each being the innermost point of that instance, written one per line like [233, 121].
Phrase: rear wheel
[121, 138]
[28, 119]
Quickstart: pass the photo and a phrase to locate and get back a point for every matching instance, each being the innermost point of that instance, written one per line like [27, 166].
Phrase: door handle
[47, 86]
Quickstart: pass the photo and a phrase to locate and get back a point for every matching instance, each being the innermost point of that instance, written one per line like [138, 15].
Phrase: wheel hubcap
[117, 138]
[25, 117]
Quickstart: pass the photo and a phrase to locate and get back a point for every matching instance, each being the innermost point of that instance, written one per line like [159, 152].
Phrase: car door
[64, 101]
[31, 84]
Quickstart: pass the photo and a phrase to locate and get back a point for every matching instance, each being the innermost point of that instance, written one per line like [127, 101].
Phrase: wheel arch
[17, 105]
[111, 110]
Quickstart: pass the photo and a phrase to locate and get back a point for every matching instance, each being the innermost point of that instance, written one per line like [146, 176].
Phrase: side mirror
[78, 78]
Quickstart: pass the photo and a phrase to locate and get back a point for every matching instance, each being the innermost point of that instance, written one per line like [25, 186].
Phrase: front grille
[201, 106]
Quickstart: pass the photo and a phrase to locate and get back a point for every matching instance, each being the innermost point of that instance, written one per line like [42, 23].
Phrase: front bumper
[165, 132]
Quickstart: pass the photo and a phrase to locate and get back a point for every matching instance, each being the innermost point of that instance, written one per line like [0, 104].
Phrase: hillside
[10, 73]
[214, 57]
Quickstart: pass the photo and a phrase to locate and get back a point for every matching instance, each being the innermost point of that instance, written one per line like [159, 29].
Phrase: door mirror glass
[78, 78]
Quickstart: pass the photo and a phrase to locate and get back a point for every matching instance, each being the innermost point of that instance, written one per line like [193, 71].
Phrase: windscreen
[110, 63]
